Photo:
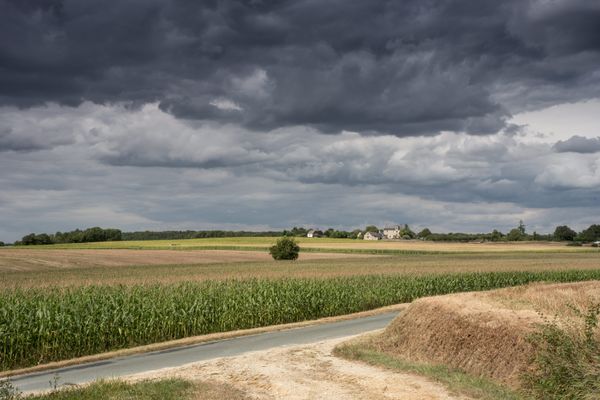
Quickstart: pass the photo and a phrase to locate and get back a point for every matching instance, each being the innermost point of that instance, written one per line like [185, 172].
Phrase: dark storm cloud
[410, 67]
[578, 144]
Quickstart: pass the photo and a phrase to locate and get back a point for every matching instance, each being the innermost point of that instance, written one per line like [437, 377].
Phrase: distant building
[314, 234]
[373, 236]
[392, 233]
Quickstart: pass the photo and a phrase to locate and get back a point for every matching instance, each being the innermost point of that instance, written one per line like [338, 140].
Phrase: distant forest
[172, 235]
[96, 234]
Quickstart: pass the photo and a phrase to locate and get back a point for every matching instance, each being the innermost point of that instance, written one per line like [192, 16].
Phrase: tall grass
[42, 325]
[567, 361]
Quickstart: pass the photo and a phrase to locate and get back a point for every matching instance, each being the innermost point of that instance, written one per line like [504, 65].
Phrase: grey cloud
[578, 144]
[402, 68]
[145, 169]
[11, 142]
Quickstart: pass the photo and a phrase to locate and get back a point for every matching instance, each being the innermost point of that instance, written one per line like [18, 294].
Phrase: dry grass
[552, 300]
[484, 334]
[209, 390]
[81, 267]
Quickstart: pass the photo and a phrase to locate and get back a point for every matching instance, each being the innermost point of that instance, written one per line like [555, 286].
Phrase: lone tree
[424, 234]
[563, 232]
[286, 248]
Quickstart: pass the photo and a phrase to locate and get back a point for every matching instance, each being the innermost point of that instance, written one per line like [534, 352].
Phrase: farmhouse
[392, 233]
[314, 234]
[373, 236]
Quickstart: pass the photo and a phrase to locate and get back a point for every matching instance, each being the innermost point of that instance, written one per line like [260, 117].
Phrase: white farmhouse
[314, 234]
[372, 236]
[392, 233]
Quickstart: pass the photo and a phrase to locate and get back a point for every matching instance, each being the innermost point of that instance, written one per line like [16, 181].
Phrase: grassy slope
[567, 360]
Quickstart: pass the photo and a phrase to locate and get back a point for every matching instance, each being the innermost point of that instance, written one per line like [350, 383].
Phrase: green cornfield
[43, 325]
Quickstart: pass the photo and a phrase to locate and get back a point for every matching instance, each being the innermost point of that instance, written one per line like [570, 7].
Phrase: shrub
[286, 248]
[567, 362]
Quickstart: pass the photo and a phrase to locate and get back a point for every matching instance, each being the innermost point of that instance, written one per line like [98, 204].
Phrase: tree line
[174, 235]
[561, 233]
[96, 234]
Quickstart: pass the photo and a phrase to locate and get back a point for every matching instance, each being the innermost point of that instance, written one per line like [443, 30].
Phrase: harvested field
[484, 333]
[32, 259]
[349, 245]
[22, 267]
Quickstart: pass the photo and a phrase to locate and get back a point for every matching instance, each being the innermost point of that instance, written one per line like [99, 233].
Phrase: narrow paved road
[128, 365]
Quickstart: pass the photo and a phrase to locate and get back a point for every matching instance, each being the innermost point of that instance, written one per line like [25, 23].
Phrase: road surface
[121, 366]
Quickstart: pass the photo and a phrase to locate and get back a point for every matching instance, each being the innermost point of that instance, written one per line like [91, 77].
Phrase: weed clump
[567, 362]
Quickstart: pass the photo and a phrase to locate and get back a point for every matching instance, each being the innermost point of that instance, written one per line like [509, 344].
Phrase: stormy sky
[155, 114]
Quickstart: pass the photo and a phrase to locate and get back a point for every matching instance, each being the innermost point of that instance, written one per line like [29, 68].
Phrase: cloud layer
[146, 169]
[153, 114]
[399, 68]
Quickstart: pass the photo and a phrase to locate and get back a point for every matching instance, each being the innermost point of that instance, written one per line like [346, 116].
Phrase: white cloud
[225, 104]
[105, 164]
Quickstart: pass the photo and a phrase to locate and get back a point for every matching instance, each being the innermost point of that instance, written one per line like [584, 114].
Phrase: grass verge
[165, 389]
[455, 380]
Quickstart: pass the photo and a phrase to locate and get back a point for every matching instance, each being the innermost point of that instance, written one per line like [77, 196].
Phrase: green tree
[515, 235]
[371, 228]
[43, 238]
[1, 243]
[496, 235]
[591, 234]
[28, 239]
[286, 248]
[563, 232]
[425, 233]
[406, 232]
[521, 227]
[299, 231]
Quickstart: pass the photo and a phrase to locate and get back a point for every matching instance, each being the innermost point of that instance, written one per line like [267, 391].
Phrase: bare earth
[306, 372]
[35, 259]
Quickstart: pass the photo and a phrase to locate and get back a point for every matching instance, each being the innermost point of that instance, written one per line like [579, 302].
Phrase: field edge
[190, 341]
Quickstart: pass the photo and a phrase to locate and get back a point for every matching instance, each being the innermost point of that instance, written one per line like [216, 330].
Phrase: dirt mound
[484, 334]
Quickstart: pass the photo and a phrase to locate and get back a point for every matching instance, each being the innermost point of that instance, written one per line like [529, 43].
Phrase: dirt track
[39, 259]
[307, 372]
